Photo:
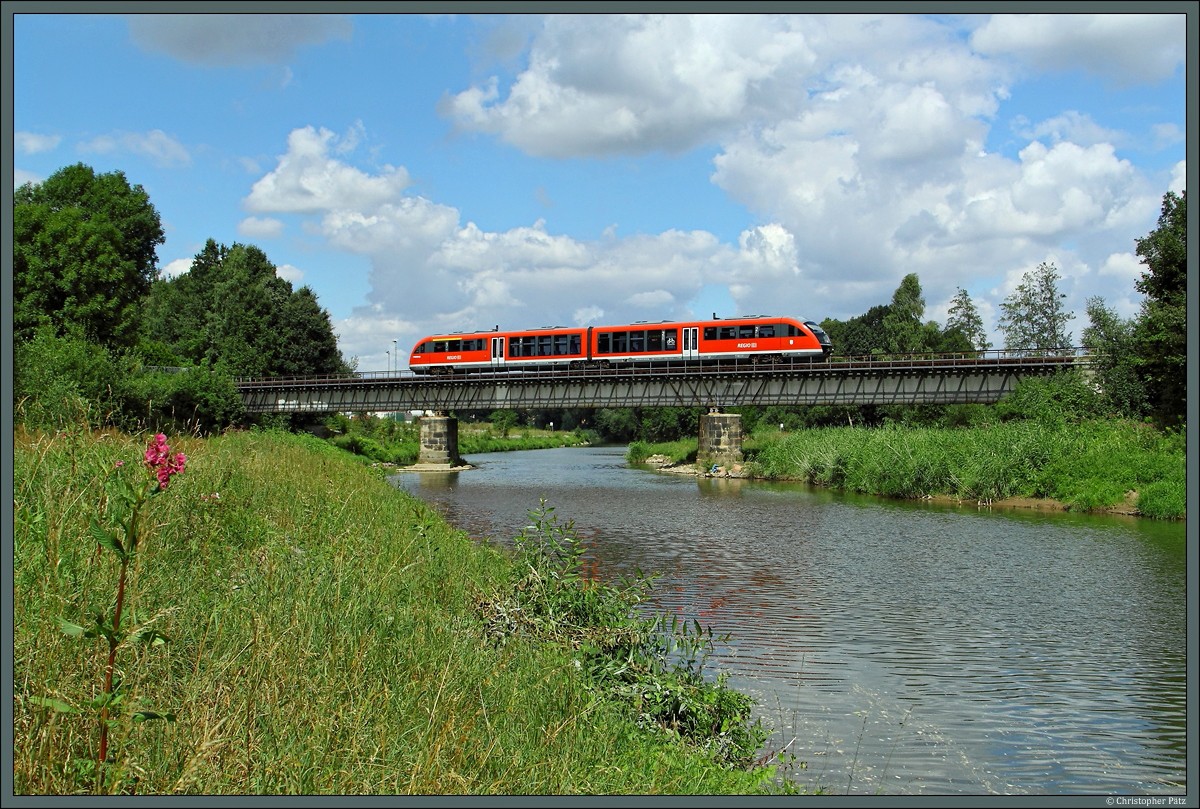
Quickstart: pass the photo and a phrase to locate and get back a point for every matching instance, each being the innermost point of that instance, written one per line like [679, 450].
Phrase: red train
[758, 338]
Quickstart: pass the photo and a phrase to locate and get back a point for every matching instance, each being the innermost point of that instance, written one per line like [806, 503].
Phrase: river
[894, 647]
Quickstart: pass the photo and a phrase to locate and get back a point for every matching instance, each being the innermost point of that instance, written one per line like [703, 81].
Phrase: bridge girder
[848, 384]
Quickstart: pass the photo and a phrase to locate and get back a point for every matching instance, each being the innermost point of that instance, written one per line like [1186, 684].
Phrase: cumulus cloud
[235, 39]
[289, 273]
[33, 143]
[176, 268]
[1124, 48]
[158, 146]
[260, 227]
[307, 179]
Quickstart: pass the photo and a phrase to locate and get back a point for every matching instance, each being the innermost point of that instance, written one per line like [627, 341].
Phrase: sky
[428, 173]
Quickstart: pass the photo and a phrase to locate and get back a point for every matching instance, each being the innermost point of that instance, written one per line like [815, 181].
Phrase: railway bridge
[981, 377]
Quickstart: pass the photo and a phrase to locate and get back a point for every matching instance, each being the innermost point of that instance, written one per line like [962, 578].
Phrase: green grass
[1092, 466]
[679, 452]
[325, 637]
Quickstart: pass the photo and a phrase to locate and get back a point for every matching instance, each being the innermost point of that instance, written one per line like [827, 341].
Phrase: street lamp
[389, 362]
[397, 356]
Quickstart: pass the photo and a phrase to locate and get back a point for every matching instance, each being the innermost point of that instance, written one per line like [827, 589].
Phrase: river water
[894, 647]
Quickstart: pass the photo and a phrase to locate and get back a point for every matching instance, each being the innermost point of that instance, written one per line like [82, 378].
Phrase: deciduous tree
[1034, 318]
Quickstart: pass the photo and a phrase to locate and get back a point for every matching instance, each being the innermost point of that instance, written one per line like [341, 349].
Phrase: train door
[497, 351]
[691, 342]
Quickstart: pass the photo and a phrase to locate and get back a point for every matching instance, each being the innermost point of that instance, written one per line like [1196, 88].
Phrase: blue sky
[427, 173]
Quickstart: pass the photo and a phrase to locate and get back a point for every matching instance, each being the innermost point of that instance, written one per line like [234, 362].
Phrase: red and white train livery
[757, 339]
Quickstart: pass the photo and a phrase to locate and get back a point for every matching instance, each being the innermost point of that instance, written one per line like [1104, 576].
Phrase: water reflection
[907, 648]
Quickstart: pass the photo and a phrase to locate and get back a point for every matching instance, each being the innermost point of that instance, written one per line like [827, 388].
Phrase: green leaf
[149, 636]
[107, 539]
[144, 716]
[75, 630]
[54, 704]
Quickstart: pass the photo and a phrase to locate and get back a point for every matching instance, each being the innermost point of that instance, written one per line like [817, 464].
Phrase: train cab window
[766, 330]
[423, 348]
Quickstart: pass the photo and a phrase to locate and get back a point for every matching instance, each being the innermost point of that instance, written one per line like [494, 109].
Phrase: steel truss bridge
[981, 378]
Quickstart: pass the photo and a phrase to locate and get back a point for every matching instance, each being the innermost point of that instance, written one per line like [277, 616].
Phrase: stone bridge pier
[439, 441]
[720, 439]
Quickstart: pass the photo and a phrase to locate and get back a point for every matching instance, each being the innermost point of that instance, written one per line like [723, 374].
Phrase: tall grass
[1094, 465]
[324, 638]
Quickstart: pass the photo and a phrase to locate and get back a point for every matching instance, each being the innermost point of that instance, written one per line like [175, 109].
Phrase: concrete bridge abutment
[720, 439]
[439, 441]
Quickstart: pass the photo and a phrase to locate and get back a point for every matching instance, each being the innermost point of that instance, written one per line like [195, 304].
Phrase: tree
[1113, 343]
[83, 255]
[1033, 314]
[903, 330]
[232, 310]
[963, 318]
[1162, 325]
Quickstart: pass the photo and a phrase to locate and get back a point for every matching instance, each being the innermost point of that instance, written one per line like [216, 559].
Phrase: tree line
[97, 328]
[100, 334]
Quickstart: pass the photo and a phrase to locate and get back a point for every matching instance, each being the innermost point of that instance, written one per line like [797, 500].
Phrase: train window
[654, 340]
[454, 345]
[620, 342]
[637, 341]
[423, 348]
[439, 346]
[727, 333]
[560, 344]
[767, 330]
[575, 344]
[745, 332]
[514, 347]
[544, 345]
[710, 332]
[602, 343]
[670, 339]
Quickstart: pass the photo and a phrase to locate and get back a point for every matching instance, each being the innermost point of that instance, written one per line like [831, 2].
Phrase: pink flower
[160, 463]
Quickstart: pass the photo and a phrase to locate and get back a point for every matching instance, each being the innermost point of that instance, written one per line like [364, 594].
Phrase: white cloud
[20, 177]
[157, 145]
[176, 268]
[1125, 48]
[260, 227]
[1073, 126]
[308, 180]
[289, 273]
[235, 39]
[33, 143]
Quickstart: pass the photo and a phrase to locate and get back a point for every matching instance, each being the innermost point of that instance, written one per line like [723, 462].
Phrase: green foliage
[63, 380]
[652, 664]
[1033, 318]
[1162, 324]
[217, 312]
[1058, 399]
[504, 420]
[903, 330]
[964, 319]
[83, 255]
[1113, 346]
[1085, 464]
[677, 452]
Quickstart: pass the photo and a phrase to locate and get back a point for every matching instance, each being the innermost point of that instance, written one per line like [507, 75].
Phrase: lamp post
[389, 362]
[396, 356]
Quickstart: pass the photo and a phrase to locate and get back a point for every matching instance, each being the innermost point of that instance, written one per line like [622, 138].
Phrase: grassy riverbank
[328, 634]
[1100, 465]
[398, 443]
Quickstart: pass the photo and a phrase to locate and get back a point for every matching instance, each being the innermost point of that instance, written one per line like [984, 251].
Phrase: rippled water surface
[895, 648]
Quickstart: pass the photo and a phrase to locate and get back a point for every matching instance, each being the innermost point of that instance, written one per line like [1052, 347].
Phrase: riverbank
[310, 630]
[1101, 466]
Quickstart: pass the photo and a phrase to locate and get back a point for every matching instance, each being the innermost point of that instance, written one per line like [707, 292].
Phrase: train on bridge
[757, 338]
